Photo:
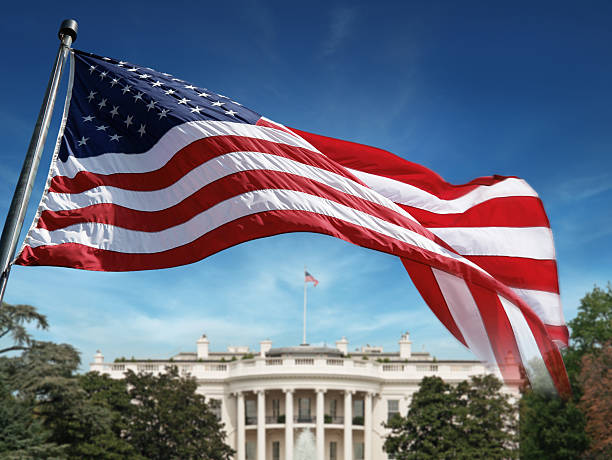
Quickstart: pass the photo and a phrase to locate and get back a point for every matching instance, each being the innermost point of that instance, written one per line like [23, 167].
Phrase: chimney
[202, 344]
[405, 346]
[342, 345]
[98, 357]
[264, 347]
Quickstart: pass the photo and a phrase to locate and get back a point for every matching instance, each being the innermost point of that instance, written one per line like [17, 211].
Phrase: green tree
[471, 420]
[13, 321]
[169, 420]
[554, 428]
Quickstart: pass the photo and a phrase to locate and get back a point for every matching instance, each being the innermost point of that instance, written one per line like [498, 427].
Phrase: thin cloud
[341, 24]
[581, 188]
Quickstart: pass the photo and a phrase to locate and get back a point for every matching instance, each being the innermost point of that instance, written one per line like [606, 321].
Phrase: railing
[334, 420]
[334, 362]
[303, 419]
[304, 361]
[215, 367]
[117, 367]
[250, 420]
[147, 367]
[274, 362]
[393, 368]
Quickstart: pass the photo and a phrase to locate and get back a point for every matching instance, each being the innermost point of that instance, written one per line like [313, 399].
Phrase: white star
[157, 83]
[126, 89]
[121, 63]
[83, 141]
[189, 87]
[102, 103]
[128, 121]
[114, 81]
[170, 91]
[115, 137]
[142, 130]
[203, 94]
[138, 97]
[133, 69]
[144, 75]
[88, 118]
[101, 128]
[103, 75]
[184, 101]
[92, 68]
[196, 109]
[91, 95]
[231, 113]
[115, 111]
[218, 103]
[151, 105]
[163, 113]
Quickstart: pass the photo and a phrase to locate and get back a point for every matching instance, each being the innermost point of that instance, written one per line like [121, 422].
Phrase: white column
[348, 425]
[261, 425]
[320, 430]
[240, 433]
[367, 427]
[288, 424]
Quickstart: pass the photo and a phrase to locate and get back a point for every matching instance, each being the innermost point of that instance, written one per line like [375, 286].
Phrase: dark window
[392, 408]
[333, 448]
[276, 450]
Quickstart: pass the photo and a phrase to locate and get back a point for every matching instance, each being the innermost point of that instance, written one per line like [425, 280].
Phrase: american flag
[308, 278]
[152, 172]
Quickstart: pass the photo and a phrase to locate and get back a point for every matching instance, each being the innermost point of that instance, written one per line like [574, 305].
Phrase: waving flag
[308, 278]
[152, 172]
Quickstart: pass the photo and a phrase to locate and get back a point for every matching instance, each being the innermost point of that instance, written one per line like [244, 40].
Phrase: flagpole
[19, 205]
[304, 336]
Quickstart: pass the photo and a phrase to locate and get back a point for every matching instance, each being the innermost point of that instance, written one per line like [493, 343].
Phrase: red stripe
[214, 193]
[499, 331]
[515, 211]
[271, 124]
[522, 273]
[425, 282]
[558, 333]
[383, 163]
[189, 158]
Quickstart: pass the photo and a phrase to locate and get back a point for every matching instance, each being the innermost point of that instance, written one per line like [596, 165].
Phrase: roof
[304, 350]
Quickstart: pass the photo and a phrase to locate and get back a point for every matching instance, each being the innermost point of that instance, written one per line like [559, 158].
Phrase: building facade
[327, 401]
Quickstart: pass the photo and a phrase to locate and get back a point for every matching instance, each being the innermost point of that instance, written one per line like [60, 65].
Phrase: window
[250, 450]
[304, 410]
[392, 408]
[251, 411]
[275, 408]
[358, 408]
[333, 408]
[358, 451]
[276, 450]
[333, 448]
[215, 407]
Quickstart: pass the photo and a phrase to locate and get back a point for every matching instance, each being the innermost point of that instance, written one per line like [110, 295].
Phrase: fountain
[305, 446]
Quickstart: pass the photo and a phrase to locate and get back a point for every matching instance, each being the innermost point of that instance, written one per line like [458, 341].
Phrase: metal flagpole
[14, 220]
[304, 336]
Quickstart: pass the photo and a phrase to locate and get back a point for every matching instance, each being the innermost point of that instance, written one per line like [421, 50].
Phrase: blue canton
[119, 107]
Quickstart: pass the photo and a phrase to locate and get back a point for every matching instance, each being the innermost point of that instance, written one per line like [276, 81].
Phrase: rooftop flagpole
[19, 205]
[304, 336]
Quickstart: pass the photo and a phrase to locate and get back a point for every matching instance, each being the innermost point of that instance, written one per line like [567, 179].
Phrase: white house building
[270, 398]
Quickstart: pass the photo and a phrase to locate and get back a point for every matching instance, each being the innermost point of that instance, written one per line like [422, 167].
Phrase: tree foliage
[563, 429]
[169, 420]
[469, 421]
[13, 320]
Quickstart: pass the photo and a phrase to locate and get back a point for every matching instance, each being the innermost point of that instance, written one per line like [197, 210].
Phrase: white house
[268, 399]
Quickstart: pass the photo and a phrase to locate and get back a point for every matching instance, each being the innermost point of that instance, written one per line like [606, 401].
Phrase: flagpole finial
[68, 27]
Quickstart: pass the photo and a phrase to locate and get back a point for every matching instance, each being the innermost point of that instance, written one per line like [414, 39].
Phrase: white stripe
[538, 374]
[529, 242]
[175, 139]
[465, 312]
[119, 239]
[207, 173]
[410, 195]
[547, 305]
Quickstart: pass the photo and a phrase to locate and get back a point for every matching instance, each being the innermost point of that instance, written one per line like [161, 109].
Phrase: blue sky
[465, 88]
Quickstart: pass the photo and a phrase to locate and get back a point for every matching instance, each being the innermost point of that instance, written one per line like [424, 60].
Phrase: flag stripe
[547, 305]
[532, 242]
[514, 211]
